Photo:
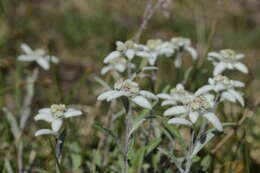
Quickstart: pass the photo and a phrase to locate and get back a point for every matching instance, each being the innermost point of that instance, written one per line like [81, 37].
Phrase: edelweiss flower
[55, 115]
[118, 64]
[127, 49]
[177, 95]
[224, 86]
[180, 44]
[193, 107]
[155, 48]
[130, 90]
[226, 59]
[38, 55]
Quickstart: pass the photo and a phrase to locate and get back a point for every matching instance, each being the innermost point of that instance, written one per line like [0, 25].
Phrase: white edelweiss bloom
[177, 95]
[226, 59]
[195, 107]
[182, 44]
[127, 49]
[131, 90]
[55, 115]
[38, 55]
[118, 64]
[225, 87]
[155, 48]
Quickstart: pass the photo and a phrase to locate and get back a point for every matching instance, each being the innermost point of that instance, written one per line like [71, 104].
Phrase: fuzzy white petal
[177, 62]
[141, 101]
[44, 117]
[72, 113]
[111, 56]
[26, 48]
[219, 68]
[106, 69]
[43, 62]
[211, 117]
[241, 67]
[44, 132]
[148, 94]
[175, 110]
[106, 94]
[164, 96]
[228, 96]
[193, 116]
[238, 84]
[130, 54]
[116, 94]
[168, 102]
[192, 52]
[203, 90]
[26, 58]
[238, 96]
[56, 125]
[181, 121]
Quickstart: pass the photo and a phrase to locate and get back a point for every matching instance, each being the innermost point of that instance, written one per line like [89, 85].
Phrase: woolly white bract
[225, 87]
[54, 115]
[194, 107]
[38, 55]
[226, 59]
[177, 95]
[130, 90]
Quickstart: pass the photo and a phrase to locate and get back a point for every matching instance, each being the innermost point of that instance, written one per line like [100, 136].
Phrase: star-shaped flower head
[155, 48]
[182, 44]
[118, 64]
[55, 115]
[195, 107]
[38, 55]
[130, 90]
[177, 95]
[123, 50]
[226, 59]
[225, 87]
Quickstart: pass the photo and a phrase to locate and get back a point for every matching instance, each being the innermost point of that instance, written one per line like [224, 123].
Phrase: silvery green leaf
[28, 98]
[173, 158]
[7, 167]
[200, 145]
[135, 126]
[152, 145]
[103, 83]
[12, 122]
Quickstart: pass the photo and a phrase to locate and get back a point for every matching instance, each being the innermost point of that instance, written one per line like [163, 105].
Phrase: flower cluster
[130, 90]
[226, 59]
[120, 59]
[224, 87]
[185, 103]
[38, 55]
[55, 115]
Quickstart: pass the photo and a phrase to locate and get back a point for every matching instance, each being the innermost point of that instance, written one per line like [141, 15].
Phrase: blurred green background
[82, 32]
